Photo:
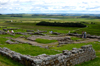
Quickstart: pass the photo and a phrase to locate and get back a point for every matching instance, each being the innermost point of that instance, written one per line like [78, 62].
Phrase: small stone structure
[66, 58]
[65, 40]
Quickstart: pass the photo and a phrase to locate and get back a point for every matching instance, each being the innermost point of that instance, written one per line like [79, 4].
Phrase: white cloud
[50, 5]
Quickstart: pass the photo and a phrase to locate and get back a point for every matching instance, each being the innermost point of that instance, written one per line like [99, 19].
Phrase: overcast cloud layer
[50, 6]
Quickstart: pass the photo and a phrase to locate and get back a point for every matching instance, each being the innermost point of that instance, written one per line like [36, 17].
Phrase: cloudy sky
[50, 6]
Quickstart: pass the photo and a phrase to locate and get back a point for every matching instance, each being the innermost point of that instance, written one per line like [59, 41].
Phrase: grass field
[45, 41]
[29, 22]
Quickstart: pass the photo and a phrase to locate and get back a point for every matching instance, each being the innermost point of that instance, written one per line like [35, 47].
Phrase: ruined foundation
[66, 58]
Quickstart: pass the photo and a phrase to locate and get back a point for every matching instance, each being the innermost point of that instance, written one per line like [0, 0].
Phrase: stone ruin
[66, 58]
[29, 30]
[38, 33]
[75, 34]
[88, 35]
[10, 29]
[93, 36]
[2, 32]
[65, 40]
[30, 33]
[11, 42]
[34, 37]
[55, 33]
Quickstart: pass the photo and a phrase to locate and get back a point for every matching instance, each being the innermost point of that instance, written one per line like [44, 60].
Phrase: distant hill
[62, 16]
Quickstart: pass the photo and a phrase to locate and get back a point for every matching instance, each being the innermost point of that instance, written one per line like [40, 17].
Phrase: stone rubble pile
[65, 40]
[66, 58]
[10, 29]
[55, 33]
[38, 33]
[2, 32]
[42, 31]
[11, 42]
[29, 30]
[20, 33]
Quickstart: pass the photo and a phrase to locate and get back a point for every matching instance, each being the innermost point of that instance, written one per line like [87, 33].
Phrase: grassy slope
[93, 29]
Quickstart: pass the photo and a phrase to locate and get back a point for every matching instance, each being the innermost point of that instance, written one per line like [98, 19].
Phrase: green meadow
[28, 22]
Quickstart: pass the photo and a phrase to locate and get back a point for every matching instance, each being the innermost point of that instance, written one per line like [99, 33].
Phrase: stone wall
[65, 40]
[66, 58]
[88, 35]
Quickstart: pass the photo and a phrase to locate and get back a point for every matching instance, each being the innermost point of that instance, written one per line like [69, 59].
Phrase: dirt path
[86, 41]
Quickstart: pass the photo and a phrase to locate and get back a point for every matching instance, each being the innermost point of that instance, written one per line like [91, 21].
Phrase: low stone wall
[12, 42]
[65, 40]
[93, 36]
[74, 34]
[88, 35]
[66, 58]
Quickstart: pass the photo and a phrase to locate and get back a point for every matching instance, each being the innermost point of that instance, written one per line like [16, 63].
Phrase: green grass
[4, 61]
[75, 38]
[95, 45]
[29, 49]
[2, 41]
[29, 22]
[92, 29]
[13, 36]
[95, 62]
[45, 41]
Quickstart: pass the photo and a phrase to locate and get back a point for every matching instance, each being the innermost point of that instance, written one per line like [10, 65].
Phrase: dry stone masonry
[66, 58]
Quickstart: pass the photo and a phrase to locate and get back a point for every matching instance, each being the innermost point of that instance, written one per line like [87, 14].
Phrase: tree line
[71, 24]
